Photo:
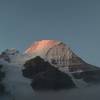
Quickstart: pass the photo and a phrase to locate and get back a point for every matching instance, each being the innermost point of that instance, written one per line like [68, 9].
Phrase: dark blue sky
[76, 22]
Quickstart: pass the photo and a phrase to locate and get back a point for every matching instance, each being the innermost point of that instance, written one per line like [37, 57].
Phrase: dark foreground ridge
[2, 75]
[46, 77]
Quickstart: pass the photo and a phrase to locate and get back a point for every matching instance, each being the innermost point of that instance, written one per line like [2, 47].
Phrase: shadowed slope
[46, 77]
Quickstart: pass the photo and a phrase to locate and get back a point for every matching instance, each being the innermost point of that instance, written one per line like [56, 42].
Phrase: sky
[75, 22]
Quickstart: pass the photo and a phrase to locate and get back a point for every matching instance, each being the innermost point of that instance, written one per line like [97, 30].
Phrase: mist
[89, 93]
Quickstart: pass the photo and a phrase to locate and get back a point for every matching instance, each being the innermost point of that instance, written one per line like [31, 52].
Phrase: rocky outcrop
[2, 75]
[90, 77]
[46, 77]
[8, 54]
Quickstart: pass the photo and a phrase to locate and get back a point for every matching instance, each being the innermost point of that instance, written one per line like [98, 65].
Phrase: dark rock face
[89, 76]
[5, 57]
[46, 77]
[35, 66]
[2, 75]
[55, 80]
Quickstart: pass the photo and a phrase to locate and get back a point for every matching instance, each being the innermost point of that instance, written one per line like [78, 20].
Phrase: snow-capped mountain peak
[48, 64]
[41, 47]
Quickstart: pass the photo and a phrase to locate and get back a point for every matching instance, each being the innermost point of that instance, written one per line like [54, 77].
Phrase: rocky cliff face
[46, 77]
[2, 75]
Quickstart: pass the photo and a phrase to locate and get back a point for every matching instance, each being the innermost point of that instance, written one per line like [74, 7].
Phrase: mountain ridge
[52, 66]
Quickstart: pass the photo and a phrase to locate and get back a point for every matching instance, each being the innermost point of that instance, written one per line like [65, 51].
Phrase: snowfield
[17, 86]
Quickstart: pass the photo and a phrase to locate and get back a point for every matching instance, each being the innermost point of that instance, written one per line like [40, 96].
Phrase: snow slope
[16, 85]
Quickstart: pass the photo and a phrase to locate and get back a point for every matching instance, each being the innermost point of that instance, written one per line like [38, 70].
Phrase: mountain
[46, 65]
[58, 54]
[61, 57]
